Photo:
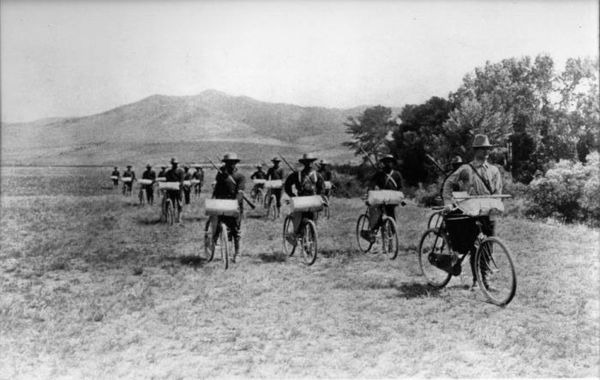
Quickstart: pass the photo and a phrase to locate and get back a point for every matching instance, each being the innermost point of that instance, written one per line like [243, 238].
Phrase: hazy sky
[76, 58]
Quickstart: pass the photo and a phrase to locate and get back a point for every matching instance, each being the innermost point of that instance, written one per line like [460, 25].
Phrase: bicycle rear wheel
[434, 249]
[495, 271]
[309, 242]
[224, 245]
[389, 238]
[209, 242]
[362, 230]
[289, 237]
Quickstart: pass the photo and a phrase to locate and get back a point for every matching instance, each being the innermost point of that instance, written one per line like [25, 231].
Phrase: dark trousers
[186, 194]
[175, 197]
[488, 227]
[115, 182]
[277, 193]
[149, 193]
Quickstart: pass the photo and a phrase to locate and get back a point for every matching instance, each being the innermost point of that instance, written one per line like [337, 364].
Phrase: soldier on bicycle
[128, 174]
[115, 173]
[199, 176]
[151, 175]
[230, 184]
[478, 177]
[307, 182]
[273, 174]
[385, 178]
[258, 174]
[175, 174]
[187, 189]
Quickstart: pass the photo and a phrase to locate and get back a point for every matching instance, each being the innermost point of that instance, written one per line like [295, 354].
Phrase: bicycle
[439, 250]
[216, 233]
[127, 185]
[436, 219]
[257, 195]
[142, 196]
[307, 236]
[169, 213]
[366, 237]
[270, 200]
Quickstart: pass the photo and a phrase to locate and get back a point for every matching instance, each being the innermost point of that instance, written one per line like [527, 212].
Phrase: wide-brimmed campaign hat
[275, 159]
[387, 157]
[481, 141]
[174, 160]
[129, 166]
[230, 157]
[307, 157]
[148, 165]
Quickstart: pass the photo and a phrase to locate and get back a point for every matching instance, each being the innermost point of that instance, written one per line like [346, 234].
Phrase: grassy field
[92, 285]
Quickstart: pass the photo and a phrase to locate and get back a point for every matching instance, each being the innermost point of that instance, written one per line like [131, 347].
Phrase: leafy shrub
[569, 191]
[429, 196]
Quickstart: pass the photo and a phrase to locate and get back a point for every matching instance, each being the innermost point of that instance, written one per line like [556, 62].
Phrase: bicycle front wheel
[389, 238]
[433, 252]
[495, 271]
[435, 220]
[272, 210]
[209, 242]
[170, 212]
[224, 245]
[309, 242]
[289, 236]
[362, 232]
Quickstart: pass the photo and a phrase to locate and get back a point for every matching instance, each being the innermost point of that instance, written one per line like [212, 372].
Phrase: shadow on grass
[276, 257]
[416, 290]
[149, 222]
[256, 216]
[189, 260]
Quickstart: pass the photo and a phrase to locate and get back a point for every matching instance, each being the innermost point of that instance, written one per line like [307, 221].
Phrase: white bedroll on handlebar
[161, 179]
[187, 183]
[169, 185]
[145, 182]
[309, 203]
[274, 184]
[476, 205]
[126, 179]
[328, 185]
[114, 177]
[384, 197]
[224, 207]
[259, 181]
[195, 181]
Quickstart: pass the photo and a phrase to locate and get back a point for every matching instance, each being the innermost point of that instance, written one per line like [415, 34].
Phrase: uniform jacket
[391, 180]
[467, 180]
[228, 184]
[275, 174]
[149, 174]
[259, 174]
[307, 182]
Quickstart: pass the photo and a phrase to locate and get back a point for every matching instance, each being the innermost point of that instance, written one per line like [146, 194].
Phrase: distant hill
[188, 127]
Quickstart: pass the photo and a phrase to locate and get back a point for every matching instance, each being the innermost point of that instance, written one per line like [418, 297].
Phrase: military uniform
[386, 179]
[115, 173]
[307, 182]
[175, 175]
[151, 175]
[187, 176]
[198, 175]
[228, 185]
[128, 174]
[274, 174]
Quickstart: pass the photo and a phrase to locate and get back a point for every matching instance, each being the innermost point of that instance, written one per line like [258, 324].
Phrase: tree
[420, 133]
[369, 131]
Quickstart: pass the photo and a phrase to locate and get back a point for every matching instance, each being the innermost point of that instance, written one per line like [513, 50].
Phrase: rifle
[287, 163]
[368, 157]
[243, 195]
[437, 165]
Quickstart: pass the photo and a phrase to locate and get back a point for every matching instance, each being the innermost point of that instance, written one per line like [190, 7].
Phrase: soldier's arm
[288, 184]
[452, 180]
[497, 182]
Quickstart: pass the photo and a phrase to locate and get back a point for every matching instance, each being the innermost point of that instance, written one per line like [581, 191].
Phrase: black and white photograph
[299, 189]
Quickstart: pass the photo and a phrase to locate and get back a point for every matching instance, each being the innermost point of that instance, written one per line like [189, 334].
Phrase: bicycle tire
[225, 248]
[363, 220]
[435, 217]
[141, 197]
[488, 253]
[289, 247]
[169, 212]
[309, 242]
[389, 238]
[209, 242]
[435, 276]
[272, 210]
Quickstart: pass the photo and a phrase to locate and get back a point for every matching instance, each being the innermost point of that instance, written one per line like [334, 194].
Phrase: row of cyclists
[477, 177]
[193, 181]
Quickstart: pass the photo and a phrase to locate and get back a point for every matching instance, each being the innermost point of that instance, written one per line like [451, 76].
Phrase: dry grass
[94, 286]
